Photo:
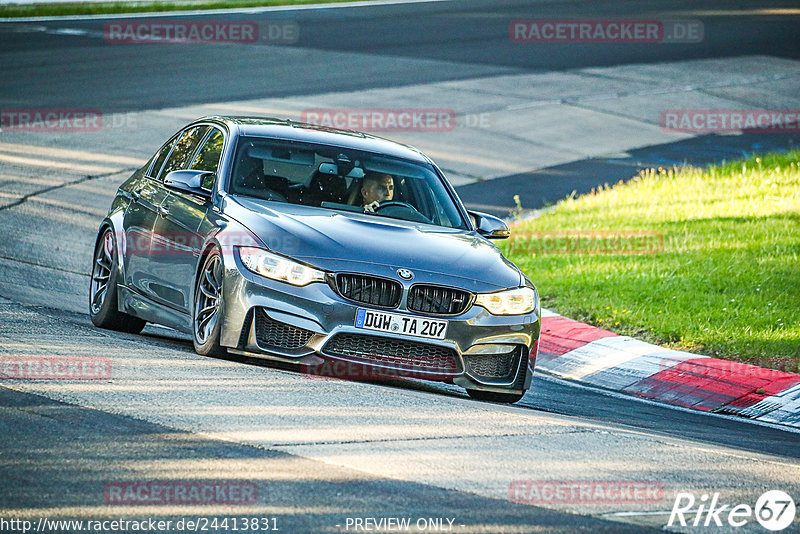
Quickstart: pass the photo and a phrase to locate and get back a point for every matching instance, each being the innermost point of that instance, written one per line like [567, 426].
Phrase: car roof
[311, 133]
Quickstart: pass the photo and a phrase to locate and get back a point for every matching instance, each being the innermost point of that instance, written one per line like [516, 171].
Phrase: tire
[103, 288]
[207, 307]
[491, 396]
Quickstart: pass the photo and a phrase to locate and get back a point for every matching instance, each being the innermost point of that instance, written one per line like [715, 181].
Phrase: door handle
[163, 211]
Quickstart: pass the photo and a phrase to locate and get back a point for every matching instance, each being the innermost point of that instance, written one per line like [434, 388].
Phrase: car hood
[354, 242]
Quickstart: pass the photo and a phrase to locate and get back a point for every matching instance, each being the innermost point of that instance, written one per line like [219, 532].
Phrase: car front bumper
[314, 327]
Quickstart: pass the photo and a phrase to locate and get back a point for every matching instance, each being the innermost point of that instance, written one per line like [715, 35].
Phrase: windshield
[341, 179]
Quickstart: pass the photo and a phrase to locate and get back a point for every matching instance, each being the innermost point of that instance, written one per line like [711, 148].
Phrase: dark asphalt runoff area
[543, 187]
[389, 45]
[76, 452]
[59, 456]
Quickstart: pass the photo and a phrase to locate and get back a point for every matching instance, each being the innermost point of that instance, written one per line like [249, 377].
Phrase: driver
[377, 187]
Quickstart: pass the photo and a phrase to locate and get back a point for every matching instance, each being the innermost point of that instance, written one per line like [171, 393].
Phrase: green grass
[44, 9]
[727, 282]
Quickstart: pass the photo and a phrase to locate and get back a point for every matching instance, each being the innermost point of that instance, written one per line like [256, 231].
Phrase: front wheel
[207, 316]
[103, 289]
[491, 396]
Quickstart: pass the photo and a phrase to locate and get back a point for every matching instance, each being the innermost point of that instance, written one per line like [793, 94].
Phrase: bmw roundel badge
[405, 274]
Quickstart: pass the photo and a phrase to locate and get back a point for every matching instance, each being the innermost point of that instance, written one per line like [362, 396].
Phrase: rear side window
[183, 151]
[160, 156]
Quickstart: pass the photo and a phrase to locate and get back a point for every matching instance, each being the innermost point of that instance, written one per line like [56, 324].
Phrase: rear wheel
[207, 316]
[103, 289]
[491, 396]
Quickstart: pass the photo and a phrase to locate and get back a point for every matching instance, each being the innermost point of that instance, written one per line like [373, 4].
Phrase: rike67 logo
[774, 510]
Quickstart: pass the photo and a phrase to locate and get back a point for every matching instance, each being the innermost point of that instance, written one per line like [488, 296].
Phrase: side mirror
[489, 226]
[190, 181]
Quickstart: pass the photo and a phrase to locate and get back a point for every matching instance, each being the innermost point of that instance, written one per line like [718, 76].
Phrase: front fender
[225, 234]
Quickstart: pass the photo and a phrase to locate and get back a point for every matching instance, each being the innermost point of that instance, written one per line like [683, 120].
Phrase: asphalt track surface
[389, 46]
[57, 453]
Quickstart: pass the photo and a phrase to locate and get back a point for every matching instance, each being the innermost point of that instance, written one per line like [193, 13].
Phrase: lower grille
[493, 366]
[438, 300]
[272, 333]
[395, 353]
[369, 289]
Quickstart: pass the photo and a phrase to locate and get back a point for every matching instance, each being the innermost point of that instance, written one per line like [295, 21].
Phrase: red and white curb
[577, 351]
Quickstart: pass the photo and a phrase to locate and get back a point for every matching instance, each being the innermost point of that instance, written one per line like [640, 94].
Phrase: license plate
[401, 324]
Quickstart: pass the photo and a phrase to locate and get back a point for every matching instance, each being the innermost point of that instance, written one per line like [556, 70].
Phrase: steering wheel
[396, 203]
[403, 206]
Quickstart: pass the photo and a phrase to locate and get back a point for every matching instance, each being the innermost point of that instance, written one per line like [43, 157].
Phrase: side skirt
[135, 304]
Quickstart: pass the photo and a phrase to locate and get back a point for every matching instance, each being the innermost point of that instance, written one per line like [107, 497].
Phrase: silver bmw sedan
[344, 254]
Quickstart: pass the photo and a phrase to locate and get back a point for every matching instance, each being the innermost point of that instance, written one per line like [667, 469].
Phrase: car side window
[184, 149]
[208, 156]
[160, 156]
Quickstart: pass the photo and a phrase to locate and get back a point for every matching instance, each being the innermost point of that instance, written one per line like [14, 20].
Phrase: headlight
[510, 302]
[278, 268]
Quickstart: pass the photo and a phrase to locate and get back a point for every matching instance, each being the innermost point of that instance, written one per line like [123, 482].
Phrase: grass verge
[108, 8]
[703, 260]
